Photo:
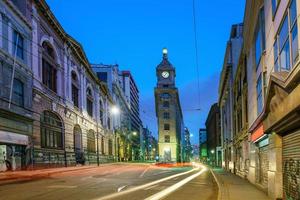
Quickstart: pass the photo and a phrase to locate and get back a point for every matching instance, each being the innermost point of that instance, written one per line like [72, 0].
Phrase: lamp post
[213, 157]
[115, 111]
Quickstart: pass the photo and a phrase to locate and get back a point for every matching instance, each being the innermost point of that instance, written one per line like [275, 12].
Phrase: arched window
[51, 131]
[89, 102]
[91, 143]
[77, 138]
[75, 89]
[49, 67]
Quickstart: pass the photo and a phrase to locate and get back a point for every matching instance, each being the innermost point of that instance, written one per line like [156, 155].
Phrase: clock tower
[168, 113]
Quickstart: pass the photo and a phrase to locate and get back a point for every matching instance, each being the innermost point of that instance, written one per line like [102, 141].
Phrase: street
[117, 181]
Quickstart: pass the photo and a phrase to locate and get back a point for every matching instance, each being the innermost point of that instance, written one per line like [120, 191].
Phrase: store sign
[258, 133]
[13, 138]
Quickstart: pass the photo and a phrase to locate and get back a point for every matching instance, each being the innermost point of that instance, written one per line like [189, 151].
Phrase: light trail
[114, 195]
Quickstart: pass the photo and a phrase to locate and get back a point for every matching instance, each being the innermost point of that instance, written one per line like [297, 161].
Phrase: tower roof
[165, 63]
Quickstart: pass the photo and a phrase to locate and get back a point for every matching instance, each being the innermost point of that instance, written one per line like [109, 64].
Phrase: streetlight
[115, 110]
[134, 133]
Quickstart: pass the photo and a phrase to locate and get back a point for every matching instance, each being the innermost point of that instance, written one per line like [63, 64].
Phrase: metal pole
[98, 161]
[13, 73]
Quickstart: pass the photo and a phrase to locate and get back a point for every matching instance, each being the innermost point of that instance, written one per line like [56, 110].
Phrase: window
[166, 127]
[77, 138]
[49, 70]
[286, 43]
[108, 123]
[18, 43]
[165, 86]
[260, 37]
[91, 142]
[51, 131]
[166, 104]
[102, 76]
[75, 91]
[102, 145]
[275, 4]
[110, 147]
[259, 95]
[89, 102]
[165, 96]
[166, 115]
[294, 31]
[101, 112]
[167, 138]
[18, 92]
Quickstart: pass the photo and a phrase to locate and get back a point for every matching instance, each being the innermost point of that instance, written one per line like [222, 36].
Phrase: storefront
[261, 141]
[15, 141]
[291, 165]
[14, 151]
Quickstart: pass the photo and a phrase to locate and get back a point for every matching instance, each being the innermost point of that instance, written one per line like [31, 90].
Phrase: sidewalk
[233, 187]
[13, 176]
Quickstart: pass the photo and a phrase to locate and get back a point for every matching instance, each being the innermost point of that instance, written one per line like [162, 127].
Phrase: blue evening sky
[132, 33]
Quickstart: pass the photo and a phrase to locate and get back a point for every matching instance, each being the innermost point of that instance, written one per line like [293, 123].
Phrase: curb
[40, 175]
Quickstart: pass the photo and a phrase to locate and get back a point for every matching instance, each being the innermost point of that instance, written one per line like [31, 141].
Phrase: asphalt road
[117, 181]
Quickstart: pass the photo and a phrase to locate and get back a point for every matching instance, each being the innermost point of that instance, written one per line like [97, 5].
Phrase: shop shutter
[291, 166]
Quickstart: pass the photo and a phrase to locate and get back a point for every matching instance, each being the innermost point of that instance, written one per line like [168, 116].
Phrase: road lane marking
[151, 187]
[174, 187]
[144, 172]
[62, 186]
[121, 188]
[114, 195]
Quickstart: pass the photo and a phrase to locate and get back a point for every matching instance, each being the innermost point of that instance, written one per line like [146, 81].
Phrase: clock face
[165, 74]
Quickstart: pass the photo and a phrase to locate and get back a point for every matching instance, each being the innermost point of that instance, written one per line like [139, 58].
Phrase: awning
[258, 133]
[13, 138]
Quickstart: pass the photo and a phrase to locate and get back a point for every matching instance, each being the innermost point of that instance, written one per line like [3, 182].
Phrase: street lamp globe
[115, 110]
[134, 133]
[212, 151]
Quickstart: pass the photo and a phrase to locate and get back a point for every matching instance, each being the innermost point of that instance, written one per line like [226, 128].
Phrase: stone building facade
[266, 92]
[226, 96]
[113, 78]
[69, 102]
[16, 115]
[168, 113]
[213, 143]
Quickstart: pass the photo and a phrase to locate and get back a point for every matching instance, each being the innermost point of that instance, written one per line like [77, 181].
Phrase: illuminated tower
[168, 112]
